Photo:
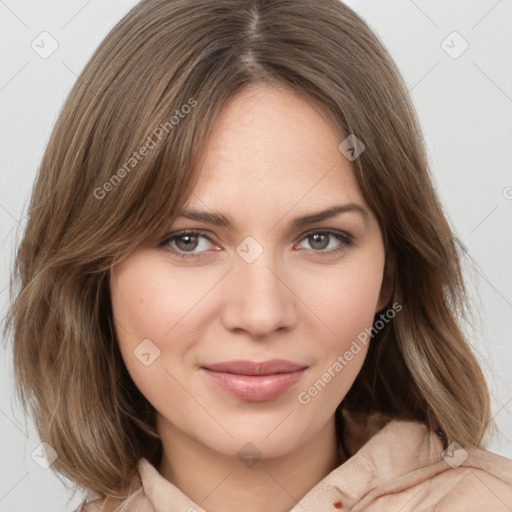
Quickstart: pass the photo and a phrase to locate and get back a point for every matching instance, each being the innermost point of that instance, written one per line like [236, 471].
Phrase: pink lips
[255, 381]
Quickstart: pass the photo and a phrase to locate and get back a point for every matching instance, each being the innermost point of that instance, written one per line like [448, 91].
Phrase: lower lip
[254, 388]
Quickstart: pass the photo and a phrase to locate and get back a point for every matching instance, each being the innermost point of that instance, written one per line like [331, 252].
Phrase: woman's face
[268, 286]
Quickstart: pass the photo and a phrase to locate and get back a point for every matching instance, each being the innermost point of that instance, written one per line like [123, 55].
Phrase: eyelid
[182, 232]
[207, 234]
[344, 237]
[331, 231]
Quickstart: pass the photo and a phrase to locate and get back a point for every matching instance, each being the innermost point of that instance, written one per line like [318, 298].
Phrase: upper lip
[269, 367]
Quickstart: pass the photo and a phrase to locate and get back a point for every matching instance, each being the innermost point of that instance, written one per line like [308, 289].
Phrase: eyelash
[345, 239]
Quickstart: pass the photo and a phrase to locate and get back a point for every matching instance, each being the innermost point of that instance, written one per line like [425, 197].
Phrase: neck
[221, 483]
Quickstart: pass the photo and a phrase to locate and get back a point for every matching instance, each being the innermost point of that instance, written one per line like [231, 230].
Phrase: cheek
[138, 300]
[345, 300]
[355, 298]
[346, 307]
[151, 300]
[143, 309]
[345, 297]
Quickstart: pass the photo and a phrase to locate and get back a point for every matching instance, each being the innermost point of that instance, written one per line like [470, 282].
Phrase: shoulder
[101, 505]
[474, 480]
[98, 505]
[135, 500]
[471, 479]
[485, 469]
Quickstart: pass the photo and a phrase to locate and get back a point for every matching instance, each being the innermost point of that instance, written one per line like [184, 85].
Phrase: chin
[269, 435]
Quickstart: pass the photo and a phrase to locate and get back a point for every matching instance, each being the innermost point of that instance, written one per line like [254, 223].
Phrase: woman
[238, 289]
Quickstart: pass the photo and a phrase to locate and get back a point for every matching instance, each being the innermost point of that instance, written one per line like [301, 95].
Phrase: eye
[320, 240]
[183, 244]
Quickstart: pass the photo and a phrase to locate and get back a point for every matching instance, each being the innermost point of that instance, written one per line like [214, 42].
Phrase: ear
[387, 287]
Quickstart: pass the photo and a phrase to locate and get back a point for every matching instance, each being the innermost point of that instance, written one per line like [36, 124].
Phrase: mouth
[255, 381]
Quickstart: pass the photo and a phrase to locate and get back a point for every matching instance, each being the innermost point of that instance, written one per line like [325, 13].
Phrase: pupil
[190, 242]
[317, 239]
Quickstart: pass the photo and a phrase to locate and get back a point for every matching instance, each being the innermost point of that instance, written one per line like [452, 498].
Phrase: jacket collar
[380, 449]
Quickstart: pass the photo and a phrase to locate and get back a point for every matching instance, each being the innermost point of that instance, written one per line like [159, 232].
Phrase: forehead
[273, 145]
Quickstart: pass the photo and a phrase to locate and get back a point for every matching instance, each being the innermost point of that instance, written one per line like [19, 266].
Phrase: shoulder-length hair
[158, 81]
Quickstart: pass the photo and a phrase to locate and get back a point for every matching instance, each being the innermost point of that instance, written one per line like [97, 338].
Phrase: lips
[255, 381]
[269, 367]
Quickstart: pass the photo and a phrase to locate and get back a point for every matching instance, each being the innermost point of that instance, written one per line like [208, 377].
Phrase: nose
[257, 297]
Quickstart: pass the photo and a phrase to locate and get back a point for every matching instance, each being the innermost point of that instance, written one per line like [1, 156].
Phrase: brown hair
[158, 80]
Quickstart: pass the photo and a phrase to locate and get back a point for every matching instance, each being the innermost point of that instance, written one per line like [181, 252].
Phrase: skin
[272, 157]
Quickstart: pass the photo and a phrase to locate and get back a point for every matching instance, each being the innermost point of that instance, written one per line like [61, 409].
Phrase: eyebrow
[218, 219]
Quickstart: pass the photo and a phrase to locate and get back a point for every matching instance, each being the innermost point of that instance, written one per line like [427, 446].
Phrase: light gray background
[465, 107]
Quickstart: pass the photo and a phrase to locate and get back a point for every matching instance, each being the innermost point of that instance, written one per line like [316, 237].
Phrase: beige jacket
[396, 466]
